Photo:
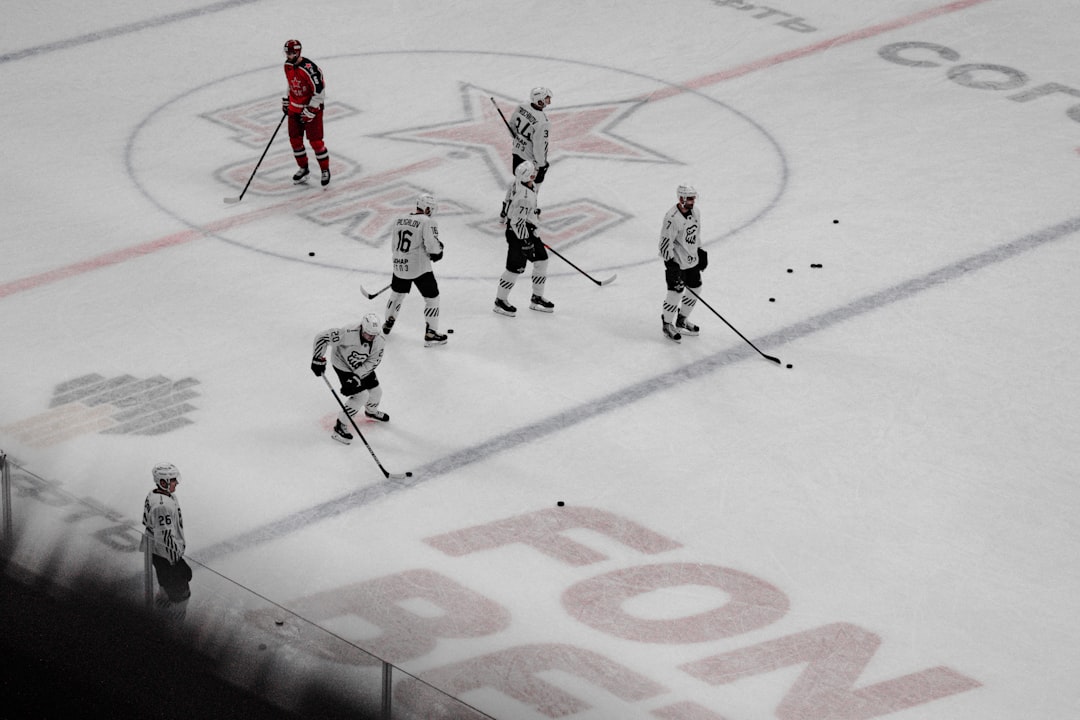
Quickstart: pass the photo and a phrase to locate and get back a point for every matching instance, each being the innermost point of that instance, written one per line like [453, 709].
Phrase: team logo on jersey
[123, 405]
[617, 153]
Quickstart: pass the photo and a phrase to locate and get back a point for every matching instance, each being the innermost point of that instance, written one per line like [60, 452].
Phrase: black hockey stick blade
[372, 296]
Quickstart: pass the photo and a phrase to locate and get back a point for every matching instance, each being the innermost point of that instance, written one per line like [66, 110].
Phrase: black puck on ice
[772, 299]
[311, 254]
[789, 366]
[815, 265]
[790, 270]
[450, 331]
[560, 503]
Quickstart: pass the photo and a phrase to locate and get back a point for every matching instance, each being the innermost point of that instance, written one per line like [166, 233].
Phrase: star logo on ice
[579, 131]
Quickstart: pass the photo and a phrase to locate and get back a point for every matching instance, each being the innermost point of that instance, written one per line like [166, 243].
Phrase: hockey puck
[560, 503]
[408, 474]
[311, 254]
[772, 299]
[279, 622]
[835, 222]
[789, 366]
[790, 270]
[450, 331]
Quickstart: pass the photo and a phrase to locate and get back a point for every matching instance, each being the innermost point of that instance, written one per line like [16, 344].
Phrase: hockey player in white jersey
[415, 243]
[164, 528]
[355, 353]
[684, 260]
[520, 214]
[531, 132]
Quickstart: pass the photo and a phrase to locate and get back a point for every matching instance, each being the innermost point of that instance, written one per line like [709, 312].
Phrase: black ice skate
[341, 434]
[388, 325]
[325, 180]
[377, 415]
[433, 338]
[669, 331]
[539, 303]
[300, 176]
[687, 327]
[505, 308]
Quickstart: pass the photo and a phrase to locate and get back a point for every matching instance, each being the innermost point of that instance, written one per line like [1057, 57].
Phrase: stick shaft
[261, 157]
[505, 122]
[702, 301]
[352, 422]
[567, 261]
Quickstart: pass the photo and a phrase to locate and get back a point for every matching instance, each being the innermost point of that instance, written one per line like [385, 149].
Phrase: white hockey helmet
[370, 325]
[540, 96]
[292, 49]
[525, 172]
[425, 202]
[686, 191]
[164, 474]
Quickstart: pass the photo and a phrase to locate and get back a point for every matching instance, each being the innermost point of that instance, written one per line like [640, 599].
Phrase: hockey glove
[528, 249]
[435, 257]
[285, 105]
[318, 366]
[702, 259]
[308, 114]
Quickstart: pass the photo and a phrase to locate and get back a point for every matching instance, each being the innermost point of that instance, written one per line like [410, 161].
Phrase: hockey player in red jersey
[304, 106]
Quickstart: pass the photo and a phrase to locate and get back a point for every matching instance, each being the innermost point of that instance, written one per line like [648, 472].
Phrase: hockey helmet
[165, 474]
[686, 191]
[425, 203]
[370, 325]
[292, 49]
[525, 172]
[540, 96]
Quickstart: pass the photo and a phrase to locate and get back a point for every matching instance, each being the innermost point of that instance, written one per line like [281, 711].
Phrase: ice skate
[377, 415]
[388, 325]
[505, 308]
[325, 180]
[300, 176]
[540, 304]
[687, 327]
[669, 331]
[341, 434]
[433, 338]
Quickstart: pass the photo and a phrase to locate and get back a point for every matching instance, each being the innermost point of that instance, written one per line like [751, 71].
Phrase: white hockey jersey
[531, 130]
[164, 524]
[350, 352]
[519, 209]
[680, 236]
[414, 239]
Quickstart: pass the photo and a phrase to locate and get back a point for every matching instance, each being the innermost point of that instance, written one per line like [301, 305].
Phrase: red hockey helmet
[292, 50]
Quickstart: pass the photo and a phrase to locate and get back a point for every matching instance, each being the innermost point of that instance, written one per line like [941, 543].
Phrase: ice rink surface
[887, 527]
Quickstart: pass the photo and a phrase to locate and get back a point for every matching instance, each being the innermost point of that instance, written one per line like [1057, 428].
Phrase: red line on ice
[180, 238]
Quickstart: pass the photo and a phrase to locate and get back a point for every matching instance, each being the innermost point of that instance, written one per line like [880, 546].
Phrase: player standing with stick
[304, 106]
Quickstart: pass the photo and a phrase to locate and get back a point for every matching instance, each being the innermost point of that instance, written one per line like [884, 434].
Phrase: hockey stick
[234, 200]
[386, 473]
[507, 124]
[372, 296]
[599, 283]
[767, 357]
